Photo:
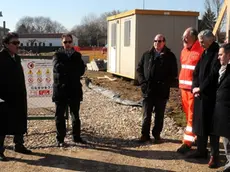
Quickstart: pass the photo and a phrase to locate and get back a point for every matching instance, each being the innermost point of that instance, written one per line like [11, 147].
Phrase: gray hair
[206, 34]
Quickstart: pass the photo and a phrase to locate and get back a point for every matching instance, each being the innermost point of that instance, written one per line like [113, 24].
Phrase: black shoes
[157, 140]
[144, 139]
[61, 144]
[2, 157]
[79, 140]
[184, 149]
[198, 155]
[213, 162]
[22, 149]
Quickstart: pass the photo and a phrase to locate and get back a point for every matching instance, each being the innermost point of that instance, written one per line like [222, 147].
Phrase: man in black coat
[68, 67]
[13, 97]
[221, 117]
[157, 70]
[205, 99]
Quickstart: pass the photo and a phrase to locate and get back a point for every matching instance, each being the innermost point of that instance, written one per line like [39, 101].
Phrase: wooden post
[228, 22]
[220, 16]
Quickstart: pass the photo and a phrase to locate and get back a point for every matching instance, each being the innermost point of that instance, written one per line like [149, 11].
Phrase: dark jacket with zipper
[67, 72]
[157, 73]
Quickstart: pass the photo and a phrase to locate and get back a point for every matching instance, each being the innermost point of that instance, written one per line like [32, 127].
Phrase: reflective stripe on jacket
[189, 59]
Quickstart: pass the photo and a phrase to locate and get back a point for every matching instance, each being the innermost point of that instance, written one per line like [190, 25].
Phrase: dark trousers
[18, 140]
[202, 142]
[226, 142]
[60, 119]
[148, 105]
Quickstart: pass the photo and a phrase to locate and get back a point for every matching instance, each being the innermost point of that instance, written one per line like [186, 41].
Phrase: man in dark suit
[205, 99]
[13, 99]
[68, 67]
[221, 118]
[157, 70]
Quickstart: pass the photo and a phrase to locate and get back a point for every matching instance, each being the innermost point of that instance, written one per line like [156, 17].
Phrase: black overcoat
[204, 104]
[13, 111]
[221, 117]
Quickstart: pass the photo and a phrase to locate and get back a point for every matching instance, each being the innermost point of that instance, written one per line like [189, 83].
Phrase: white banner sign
[38, 77]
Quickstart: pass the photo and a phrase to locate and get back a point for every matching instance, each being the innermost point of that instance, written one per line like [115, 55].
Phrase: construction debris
[106, 77]
[97, 65]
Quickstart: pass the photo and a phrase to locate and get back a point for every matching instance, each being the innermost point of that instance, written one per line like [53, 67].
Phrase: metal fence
[38, 72]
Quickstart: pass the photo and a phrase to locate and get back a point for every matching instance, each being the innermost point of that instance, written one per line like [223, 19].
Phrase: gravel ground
[103, 122]
[111, 130]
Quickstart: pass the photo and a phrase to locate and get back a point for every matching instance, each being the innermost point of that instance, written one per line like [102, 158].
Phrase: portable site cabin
[131, 33]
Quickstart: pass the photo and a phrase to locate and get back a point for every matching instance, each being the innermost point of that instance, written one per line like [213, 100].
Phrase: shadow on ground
[77, 164]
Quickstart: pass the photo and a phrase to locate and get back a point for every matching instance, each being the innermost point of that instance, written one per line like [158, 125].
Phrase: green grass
[178, 117]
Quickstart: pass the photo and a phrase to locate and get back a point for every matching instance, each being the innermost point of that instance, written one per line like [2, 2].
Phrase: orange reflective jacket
[189, 59]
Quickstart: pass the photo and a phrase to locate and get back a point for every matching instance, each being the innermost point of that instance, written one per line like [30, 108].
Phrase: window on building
[40, 44]
[31, 44]
[127, 33]
[113, 34]
[43, 44]
[35, 44]
[50, 44]
[21, 44]
[27, 44]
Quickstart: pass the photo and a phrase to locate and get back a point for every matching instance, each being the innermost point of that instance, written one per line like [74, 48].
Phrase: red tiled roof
[41, 35]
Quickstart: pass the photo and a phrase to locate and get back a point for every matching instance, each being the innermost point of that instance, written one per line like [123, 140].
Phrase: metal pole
[4, 28]
[0, 31]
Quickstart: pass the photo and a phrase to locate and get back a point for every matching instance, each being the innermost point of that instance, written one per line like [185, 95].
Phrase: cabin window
[113, 34]
[127, 33]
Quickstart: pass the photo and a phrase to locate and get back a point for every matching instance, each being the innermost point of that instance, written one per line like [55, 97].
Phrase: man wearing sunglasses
[13, 99]
[157, 70]
[67, 88]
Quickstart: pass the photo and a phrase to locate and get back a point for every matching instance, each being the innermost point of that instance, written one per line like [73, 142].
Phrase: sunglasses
[159, 41]
[15, 42]
[65, 42]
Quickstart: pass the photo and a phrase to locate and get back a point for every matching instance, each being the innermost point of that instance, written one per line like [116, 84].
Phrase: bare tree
[39, 25]
[212, 11]
[93, 29]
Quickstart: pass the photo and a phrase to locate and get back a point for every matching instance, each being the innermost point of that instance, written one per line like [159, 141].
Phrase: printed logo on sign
[47, 72]
[30, 72]
[30, 80]
[30, 65]
[39, 72]
[44, 92]
[39, 80]
[48, 80]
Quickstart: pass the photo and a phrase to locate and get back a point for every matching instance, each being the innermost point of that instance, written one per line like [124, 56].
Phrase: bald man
[190, 55]
[157, 70]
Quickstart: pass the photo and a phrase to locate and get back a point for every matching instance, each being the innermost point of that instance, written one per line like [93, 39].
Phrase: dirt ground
[101, 157]
[150, 158]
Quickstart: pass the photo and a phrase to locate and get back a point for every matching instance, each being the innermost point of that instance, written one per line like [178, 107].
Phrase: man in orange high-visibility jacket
[190, 56]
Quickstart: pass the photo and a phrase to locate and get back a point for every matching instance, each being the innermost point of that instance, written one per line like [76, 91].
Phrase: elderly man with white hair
[205, 99]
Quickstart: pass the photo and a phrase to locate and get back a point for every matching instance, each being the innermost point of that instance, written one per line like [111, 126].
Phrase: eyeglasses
[65, 42]
[159, 41]
[15, 42]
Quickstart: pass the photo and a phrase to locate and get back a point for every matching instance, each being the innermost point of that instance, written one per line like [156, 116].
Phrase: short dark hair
[6, 39]
[67, 35]
[226, 48]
